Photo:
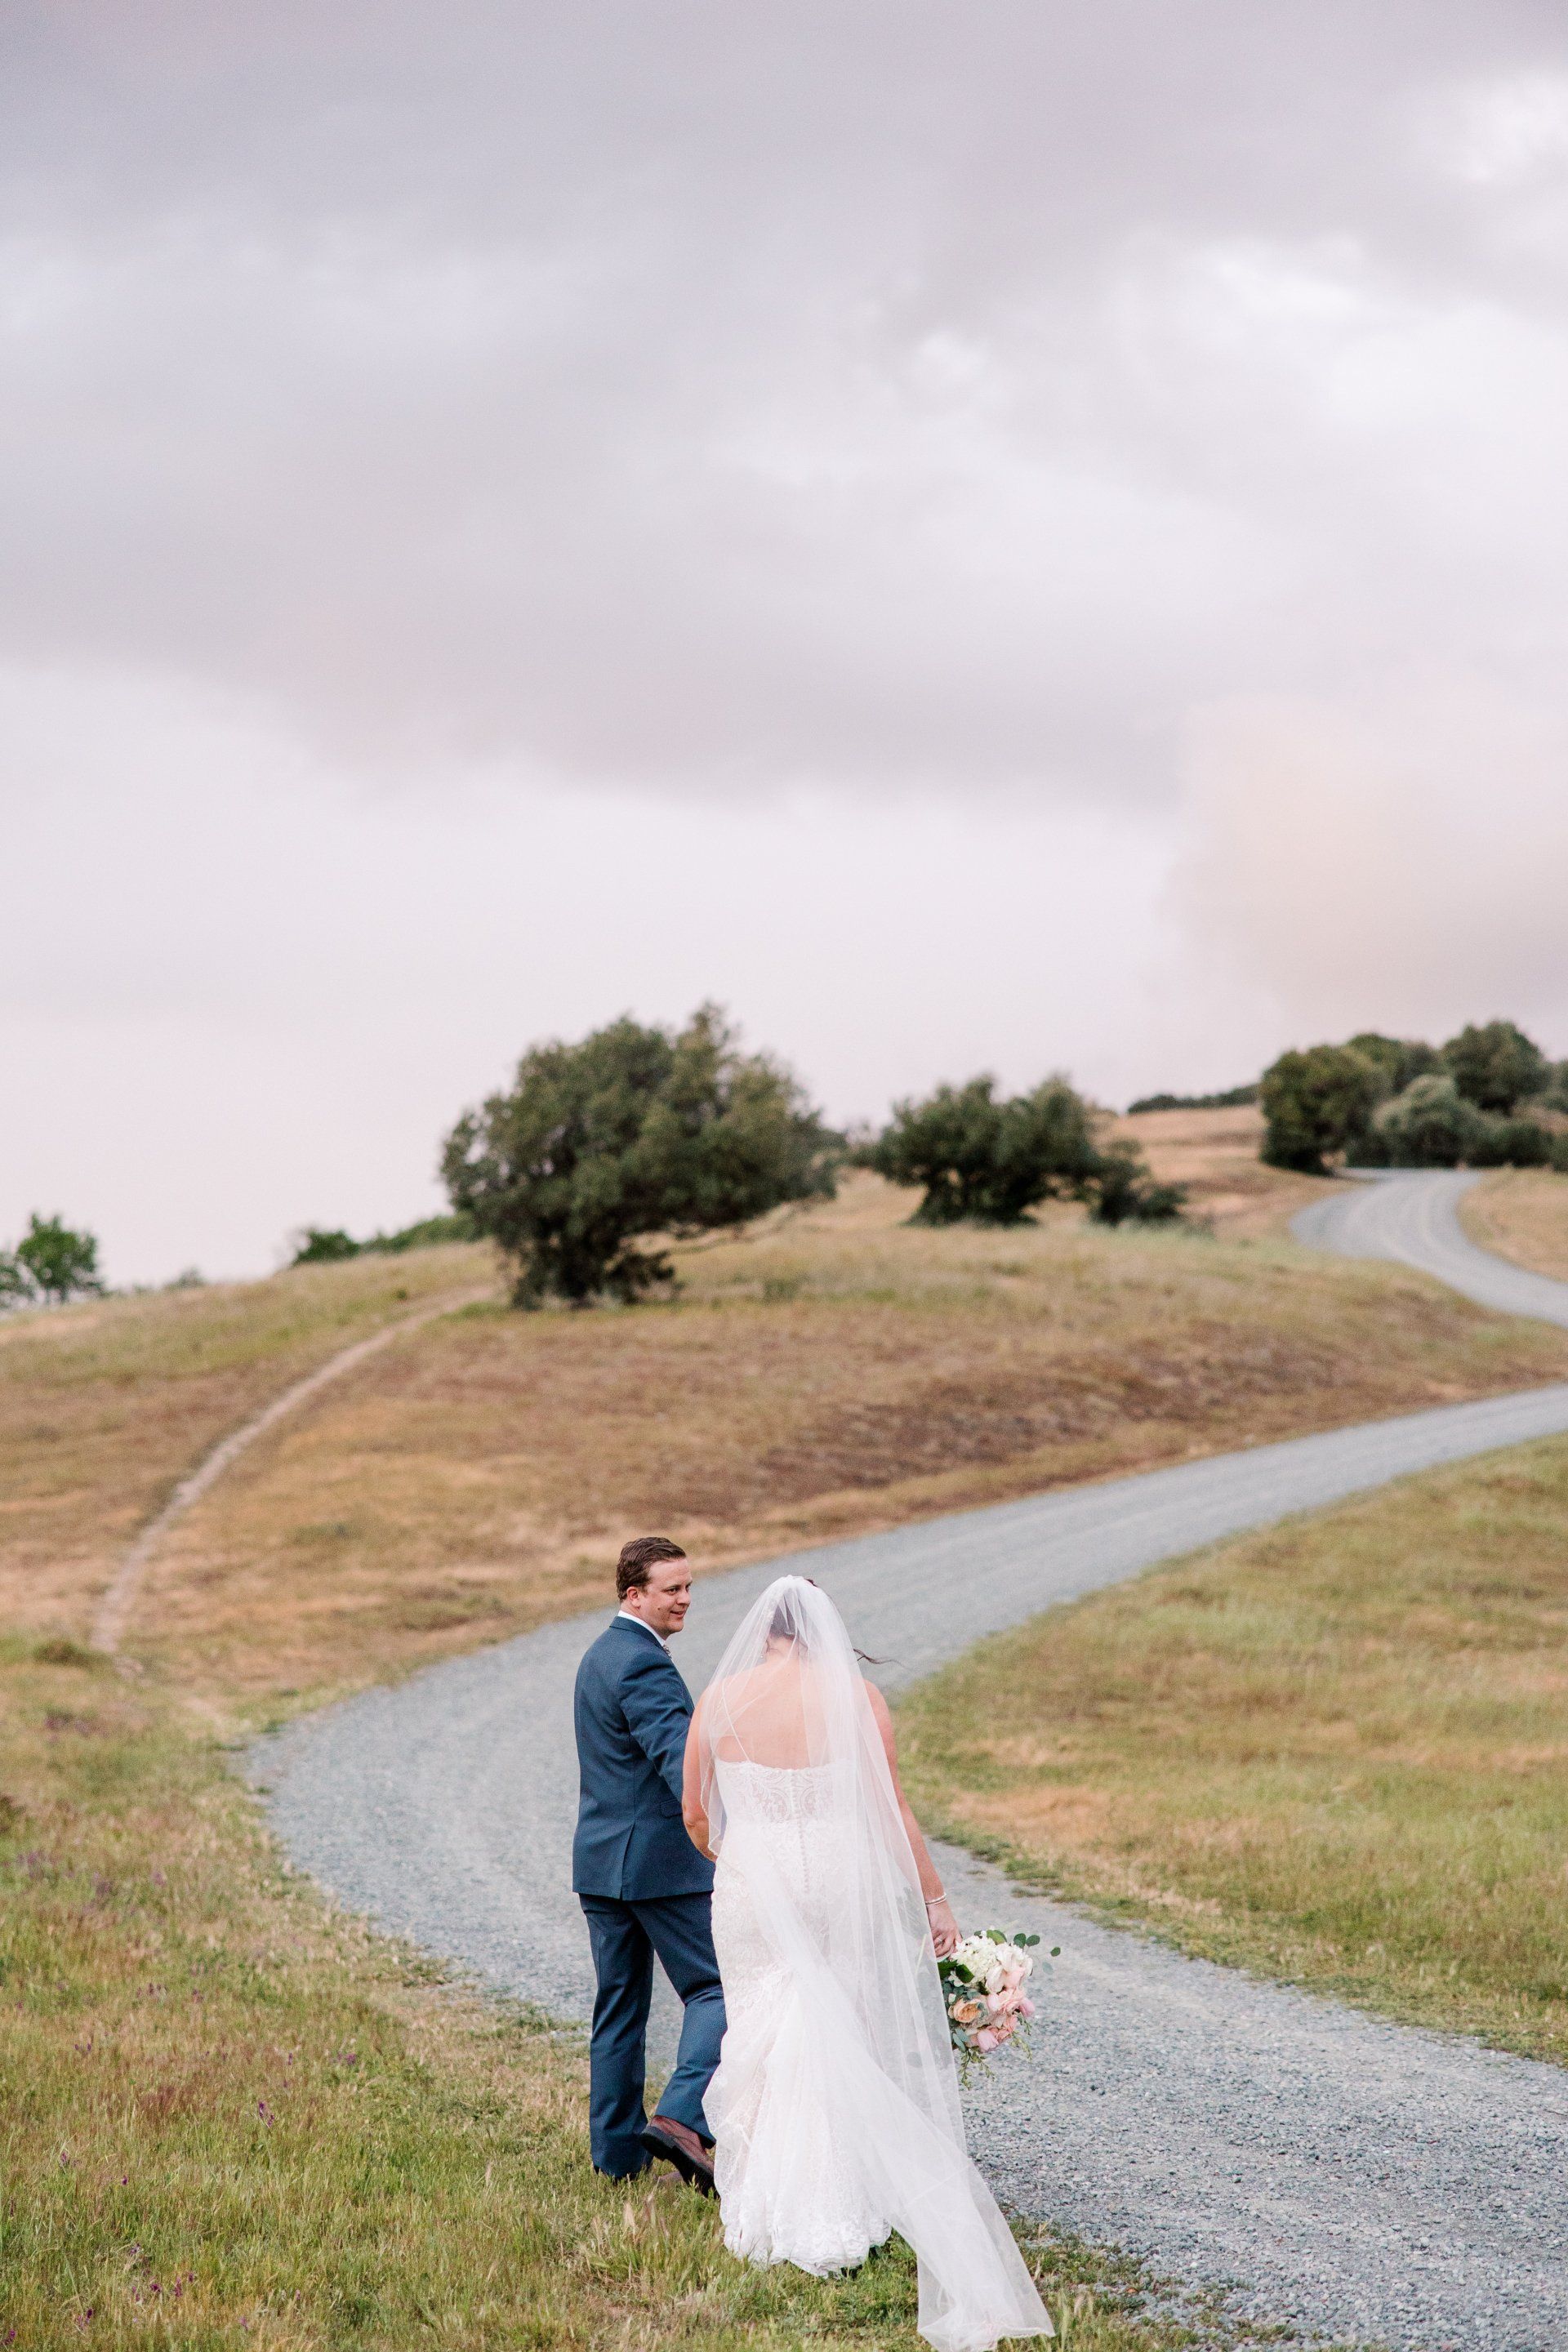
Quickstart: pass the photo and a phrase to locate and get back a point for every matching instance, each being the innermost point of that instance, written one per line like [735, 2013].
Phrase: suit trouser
[625, 1936]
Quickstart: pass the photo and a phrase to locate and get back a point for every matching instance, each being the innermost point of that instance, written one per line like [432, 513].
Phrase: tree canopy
[632, 1131]
[1317, 1102]
[51, 1263]
[1400, 1059]
[1495, 1066]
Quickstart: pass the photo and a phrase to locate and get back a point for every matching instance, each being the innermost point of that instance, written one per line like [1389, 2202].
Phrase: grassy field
[1522, 1213]
[234, 2121]
[1336, 1753]
[843, 1372]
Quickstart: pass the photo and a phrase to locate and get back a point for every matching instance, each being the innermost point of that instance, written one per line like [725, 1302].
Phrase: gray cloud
[889, 397]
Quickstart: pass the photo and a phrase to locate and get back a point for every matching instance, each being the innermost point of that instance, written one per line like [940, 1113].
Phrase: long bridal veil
[835, 2105]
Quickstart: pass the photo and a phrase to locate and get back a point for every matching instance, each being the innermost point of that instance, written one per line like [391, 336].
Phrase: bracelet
[934, 1898]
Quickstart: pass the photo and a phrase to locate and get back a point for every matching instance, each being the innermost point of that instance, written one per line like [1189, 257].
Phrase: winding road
[1363, 2180]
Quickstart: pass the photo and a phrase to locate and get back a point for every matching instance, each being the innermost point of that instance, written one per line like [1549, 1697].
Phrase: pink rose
[985, 2039]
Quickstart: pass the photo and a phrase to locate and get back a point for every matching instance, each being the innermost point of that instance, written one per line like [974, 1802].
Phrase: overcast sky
[1007, 536]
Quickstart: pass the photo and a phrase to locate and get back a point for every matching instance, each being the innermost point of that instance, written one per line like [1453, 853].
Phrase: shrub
[427, 1233]
[1513, 1143]
[983, 1161]
[318, 1246]
[1431, 1125]
[1231, 1099]
[1123, 1190]
[633, 1131]
[1316, 1102]
[1495, 1066]
[323, 1245]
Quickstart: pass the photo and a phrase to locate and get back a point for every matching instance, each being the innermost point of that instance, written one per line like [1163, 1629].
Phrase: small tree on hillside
[1123, 1191]
[982, 1162]
[1495, 1066]
[633, 1131]
[323, 1245]
[51, 1261]
[1317, 1102]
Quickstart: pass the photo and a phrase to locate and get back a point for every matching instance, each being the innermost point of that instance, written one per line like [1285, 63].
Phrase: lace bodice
[778, 1793]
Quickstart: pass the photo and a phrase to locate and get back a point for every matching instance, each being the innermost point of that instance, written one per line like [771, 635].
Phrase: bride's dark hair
[782, 1625]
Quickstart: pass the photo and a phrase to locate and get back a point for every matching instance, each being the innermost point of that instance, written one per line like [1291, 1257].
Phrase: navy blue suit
[644, 1887]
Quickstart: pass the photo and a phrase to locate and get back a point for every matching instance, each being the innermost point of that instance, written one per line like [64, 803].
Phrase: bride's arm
[691, 1812]
[944, 1926]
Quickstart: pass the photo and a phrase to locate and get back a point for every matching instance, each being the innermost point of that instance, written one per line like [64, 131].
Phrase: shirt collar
[633, 1620]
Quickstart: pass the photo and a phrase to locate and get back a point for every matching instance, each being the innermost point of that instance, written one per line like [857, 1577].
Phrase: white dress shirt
[632, 1619]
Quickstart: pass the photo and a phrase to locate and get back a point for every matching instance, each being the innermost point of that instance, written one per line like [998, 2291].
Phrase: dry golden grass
[105, 1406]
[1522, 1213]
[1215, 1154]
[233, 2121]
[843, 1372]
[1336, 1751]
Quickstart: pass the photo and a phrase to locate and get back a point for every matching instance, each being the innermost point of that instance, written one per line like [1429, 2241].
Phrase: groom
[642, 1884]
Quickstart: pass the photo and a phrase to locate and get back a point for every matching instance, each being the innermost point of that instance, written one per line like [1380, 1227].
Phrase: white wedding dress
[835, 2106]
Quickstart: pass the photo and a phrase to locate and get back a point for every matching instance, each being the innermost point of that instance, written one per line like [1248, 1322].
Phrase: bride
[835, 2108]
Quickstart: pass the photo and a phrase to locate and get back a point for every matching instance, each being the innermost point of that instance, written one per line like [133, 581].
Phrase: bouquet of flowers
[983, 1981]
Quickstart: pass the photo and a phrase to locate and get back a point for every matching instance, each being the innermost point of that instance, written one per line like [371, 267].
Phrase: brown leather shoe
[679, 2144]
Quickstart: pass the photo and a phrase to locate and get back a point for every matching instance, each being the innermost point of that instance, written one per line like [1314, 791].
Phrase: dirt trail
[115, 1608]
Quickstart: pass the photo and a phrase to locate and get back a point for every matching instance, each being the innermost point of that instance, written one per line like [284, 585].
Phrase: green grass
[1335, 1752]
[235, 2120]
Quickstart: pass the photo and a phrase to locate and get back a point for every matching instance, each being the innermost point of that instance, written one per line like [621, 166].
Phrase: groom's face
[663, 1601]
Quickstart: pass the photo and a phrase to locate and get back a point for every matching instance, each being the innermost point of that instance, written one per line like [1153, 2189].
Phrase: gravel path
[1363, 2180]
[1414, 1217]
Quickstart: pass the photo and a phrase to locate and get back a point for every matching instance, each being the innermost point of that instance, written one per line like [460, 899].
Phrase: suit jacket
[632, 1710]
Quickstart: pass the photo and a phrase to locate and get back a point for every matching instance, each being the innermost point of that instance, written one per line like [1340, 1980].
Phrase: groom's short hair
[637, 1557]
